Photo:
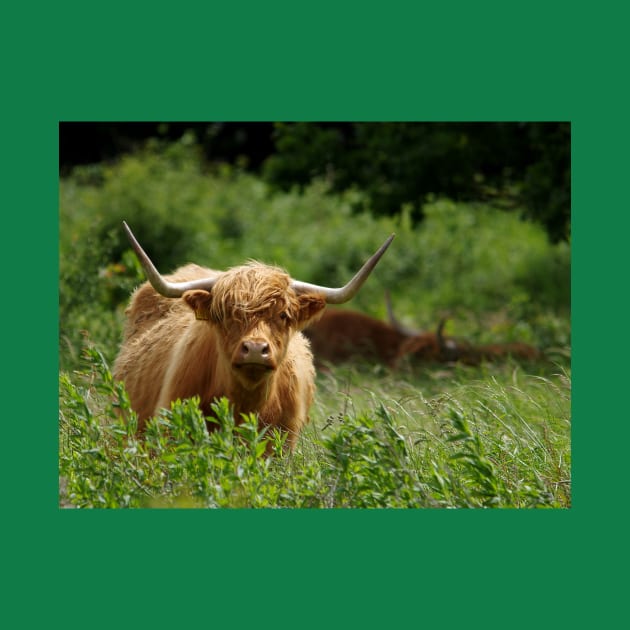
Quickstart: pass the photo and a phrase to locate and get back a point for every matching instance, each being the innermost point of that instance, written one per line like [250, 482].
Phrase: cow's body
[341, 335]
[473, 355]
[240, 340]
[436, 348]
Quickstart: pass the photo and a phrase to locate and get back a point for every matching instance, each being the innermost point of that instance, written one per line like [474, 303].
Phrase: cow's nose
[253, 351]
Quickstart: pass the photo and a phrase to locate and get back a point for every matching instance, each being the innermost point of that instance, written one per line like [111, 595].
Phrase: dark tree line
[525, 165]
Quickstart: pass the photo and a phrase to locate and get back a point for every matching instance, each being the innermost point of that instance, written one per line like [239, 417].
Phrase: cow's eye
[284, 315]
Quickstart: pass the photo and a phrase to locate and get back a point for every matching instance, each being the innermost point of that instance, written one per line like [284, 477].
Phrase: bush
[524, 167]
[489, 444]
[480, 264]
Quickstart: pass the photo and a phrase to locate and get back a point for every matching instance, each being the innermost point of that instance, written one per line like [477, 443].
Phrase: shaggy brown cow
[233, 333]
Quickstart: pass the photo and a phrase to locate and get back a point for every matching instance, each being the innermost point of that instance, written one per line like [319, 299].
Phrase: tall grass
[429, 436]
[500, 441]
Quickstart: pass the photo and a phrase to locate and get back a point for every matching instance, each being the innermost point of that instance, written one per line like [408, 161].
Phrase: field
[429, 435]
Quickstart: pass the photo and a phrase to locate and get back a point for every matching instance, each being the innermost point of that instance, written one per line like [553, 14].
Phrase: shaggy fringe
[242, 292]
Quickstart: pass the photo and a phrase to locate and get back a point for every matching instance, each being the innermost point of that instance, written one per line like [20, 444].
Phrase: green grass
[491, 437]
[426, 436]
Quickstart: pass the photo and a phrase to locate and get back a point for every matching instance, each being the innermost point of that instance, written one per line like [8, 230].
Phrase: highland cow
[206, 333]
[343, 335]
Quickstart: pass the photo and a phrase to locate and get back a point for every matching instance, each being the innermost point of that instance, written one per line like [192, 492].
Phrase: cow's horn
[440, 334]
[162, 286]
[347, 292]
[176, 289]
[393, 321]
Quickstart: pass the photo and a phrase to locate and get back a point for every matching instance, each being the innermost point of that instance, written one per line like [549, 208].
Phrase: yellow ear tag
[202, 315]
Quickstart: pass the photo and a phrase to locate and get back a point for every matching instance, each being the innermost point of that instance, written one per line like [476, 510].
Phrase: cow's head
[432, 346]
[256, 311]
[256, 307]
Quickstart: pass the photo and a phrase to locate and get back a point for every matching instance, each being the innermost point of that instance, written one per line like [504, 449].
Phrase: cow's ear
[199, 302]
[310, 308]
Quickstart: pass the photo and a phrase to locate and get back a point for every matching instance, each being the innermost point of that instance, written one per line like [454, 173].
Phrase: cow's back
[341, 335]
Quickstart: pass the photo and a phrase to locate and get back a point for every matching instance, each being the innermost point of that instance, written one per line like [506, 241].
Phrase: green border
[322, 62]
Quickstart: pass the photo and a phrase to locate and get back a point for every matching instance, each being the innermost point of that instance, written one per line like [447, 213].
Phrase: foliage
[496, 275]
[436, 436]
[403, 163]
[472, 448]
[518, 166]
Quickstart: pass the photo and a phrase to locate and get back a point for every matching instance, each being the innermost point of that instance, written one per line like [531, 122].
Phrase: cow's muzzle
[254, 353]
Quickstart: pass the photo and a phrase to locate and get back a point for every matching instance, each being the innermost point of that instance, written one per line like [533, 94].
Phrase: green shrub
[371, 464]
[470, 260]
[404, 163]
[434, 437]
[485, 444]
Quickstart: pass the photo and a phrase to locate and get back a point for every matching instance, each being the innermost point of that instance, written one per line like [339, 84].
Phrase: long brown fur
[341, 335]
[178, 348]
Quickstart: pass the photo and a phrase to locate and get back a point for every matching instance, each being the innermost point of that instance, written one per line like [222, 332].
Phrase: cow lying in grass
[343, 335]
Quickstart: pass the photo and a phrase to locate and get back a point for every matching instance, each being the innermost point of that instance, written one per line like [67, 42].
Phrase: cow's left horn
[403, 330]
[162, 286]
[347, 292]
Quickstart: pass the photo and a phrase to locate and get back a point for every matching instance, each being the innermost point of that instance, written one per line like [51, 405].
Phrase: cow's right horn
[162, 286]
